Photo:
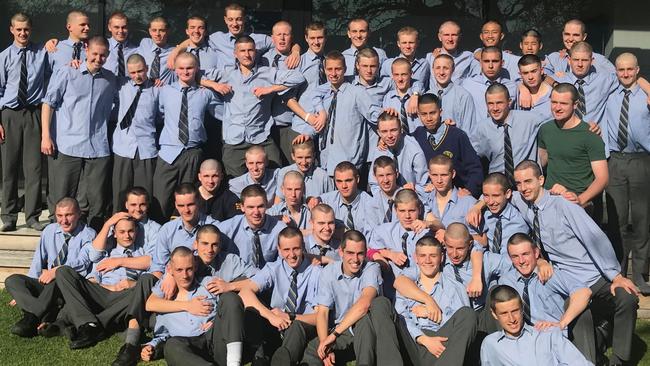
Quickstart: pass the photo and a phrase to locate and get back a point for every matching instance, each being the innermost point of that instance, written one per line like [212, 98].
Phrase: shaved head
[627, 57]
[457, 231]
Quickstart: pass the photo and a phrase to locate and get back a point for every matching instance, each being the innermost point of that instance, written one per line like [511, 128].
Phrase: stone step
[16, 258]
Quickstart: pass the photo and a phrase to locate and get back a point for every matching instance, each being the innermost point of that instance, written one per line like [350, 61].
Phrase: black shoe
[87, 335]
[8, 226]
[26, 327]
[50, 330]
[37, 225]
[129, 355]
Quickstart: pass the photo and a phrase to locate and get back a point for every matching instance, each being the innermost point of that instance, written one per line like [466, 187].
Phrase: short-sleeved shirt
[339, 291]
[570, 153]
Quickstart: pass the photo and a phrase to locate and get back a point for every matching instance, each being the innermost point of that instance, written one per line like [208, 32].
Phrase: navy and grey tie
[128, 117]
[155, 65]
[623, 123]
[183, 123]
[21, 98]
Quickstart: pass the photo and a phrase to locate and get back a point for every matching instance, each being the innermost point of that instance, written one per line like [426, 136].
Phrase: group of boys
[441, 210]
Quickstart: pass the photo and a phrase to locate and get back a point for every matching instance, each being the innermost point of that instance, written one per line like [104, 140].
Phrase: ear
[508, 193]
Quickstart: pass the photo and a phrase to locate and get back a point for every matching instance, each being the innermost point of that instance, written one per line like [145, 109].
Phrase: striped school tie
[62, 257]
[292, 297]
[22, 83]
[624, 121]
[131, 274]
[183, 123]
[155, 65]
[581, 111]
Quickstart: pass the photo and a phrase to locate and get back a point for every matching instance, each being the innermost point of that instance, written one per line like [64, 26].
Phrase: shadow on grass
[639, 344]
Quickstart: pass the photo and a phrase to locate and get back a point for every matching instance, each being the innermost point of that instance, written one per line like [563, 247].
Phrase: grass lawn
[16, 351]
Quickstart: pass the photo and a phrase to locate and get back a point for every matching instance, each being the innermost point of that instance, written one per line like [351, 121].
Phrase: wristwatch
[336, 334]
[292, 316]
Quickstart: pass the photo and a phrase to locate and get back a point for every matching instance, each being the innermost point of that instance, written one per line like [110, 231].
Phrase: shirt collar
[265, 225]
[525, 331]
[177, 85]
[541, 204]
[353, 203]
[74, 232]
[452, 198]
[507, 212]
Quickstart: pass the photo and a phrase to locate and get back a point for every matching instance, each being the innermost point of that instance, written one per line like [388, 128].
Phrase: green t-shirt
[570, 153]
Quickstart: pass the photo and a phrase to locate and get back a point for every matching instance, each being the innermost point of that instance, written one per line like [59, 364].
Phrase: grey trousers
[87, 301]
[167, 176]
[283, 136]
[294, 343]
[629, 175]
[581, 334]
[32, 296]
[21, 146]
[65, 174]
[233, 156]
[460, 330]
[623, 307]
[128, 173]
[374, 340]
[210, 347]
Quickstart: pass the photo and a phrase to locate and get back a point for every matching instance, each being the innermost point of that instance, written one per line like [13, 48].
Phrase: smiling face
[524, 257]
[304, 159]
[291, 250]
[510, 316]
[335, 71]
[234, 20]
[119, 28]
[315, 39]
[627, 71]
[401, 74]
[390, 132]
[137, 206]
[358, 33]
[571, 34]
[429, 260]
[158, 33]
[528, 184]
[124, 232]
[322, 225]
[210, 179]
[256, 165]
[407, 213]
[491, 34]
[441, 177]
[254, 209]
[21, 32]
[443, 68]
[498, 105]
[346, 183]
[207, 246]
[96, 56]
[195, 31]
[67, 217]
[353, 256]
[387, 179]
[495, 197]
[457, 250]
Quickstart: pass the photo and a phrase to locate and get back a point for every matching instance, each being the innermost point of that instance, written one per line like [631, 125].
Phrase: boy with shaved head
[215, 199]
[449, 35]
[134, 138]
[627, 118]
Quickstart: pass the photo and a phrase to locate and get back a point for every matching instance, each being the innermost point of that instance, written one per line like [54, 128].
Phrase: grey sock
[132, 336]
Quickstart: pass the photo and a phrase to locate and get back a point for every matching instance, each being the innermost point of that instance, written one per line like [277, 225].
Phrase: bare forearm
[157, 305]
[322, 322]
[141, 262]
[578, 302]
[307, 318]
[407, 288]
[595, 188]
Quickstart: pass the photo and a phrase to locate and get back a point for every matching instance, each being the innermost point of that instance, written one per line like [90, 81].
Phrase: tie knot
[257, 232]
[276, 58]
[120, 46]
[580, 82]
[157, 51]
[405, 236]
[294, 275]
[391, 201]
[185, 89]
[128, 252]
[77, 45]
[23, 50]
[627, 92]
[67, 236]
[534, 208]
